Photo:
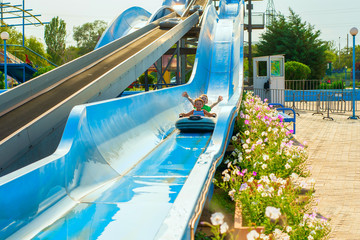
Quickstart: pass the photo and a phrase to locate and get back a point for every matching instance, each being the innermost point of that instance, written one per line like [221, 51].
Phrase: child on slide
[198, 111]
[205, 99]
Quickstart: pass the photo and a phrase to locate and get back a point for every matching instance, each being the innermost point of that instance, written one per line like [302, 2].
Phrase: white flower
[248, 141]
[310, 237]
[264, 134]
[265, 157]
[264, 166]
[252, 235]
[251, 180]
[311, 181]
[288, 229]
[273, 177]
[217, 218]
[264, 237]
[231, 193]
[287, 166]
[269, 129]
[260, 188]
[224, 227]
[294, 176]
[226, 177]
[234, 138]
[234, 154]
[227, 161]
[265, 179]
[247, 132]
[247, 150]
[272, 212]
[245, 146]
[277, 231]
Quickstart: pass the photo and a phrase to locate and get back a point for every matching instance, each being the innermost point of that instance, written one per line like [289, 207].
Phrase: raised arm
[220, 98]
[185, 94]
[206, 113]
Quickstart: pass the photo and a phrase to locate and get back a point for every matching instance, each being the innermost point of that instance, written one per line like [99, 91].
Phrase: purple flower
[254, 173]
[243, 186]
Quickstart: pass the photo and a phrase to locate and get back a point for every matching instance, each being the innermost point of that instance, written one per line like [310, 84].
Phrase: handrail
[32, 51]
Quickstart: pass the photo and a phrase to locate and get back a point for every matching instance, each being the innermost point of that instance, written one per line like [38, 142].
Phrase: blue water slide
[128, 21]
[122, 166]
[135, 18]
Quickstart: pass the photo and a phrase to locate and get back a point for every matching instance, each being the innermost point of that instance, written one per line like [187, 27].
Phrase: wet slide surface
[150, 187]
[25, 113]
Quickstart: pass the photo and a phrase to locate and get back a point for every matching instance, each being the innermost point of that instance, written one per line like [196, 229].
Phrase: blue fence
[322, 95]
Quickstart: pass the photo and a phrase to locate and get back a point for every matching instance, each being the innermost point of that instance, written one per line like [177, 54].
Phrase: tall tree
[298, 40]
[88, 34]
[37, 47]
[55, 34]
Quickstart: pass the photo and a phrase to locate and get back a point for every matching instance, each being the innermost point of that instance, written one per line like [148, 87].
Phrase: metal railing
[17, 54]
[317, 100]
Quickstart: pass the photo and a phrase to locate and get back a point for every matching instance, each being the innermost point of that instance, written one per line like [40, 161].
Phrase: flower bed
[266, 175]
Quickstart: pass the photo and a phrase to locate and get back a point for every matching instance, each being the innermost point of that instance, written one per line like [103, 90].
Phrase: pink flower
[247, 121]
[280, 118]
[254, 173]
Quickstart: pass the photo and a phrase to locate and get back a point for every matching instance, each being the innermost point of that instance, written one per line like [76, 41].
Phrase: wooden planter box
[240, 231]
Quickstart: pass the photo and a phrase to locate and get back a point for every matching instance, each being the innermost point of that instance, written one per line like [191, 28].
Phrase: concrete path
[334, 157]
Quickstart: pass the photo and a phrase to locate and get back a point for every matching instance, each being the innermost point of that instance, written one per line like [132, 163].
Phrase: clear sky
[333, 18]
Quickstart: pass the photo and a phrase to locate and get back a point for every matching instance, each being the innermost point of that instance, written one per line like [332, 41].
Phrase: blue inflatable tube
[196, 124]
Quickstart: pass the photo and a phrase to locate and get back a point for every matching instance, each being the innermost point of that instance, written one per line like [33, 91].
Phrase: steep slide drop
[121, 165]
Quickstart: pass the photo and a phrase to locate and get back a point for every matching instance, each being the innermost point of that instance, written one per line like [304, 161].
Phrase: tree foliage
[88, 34]
[297, 40]
[151, 79]
[55, 34]
[296, 71]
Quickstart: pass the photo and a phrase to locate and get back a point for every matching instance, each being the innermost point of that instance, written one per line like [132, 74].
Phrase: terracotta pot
[240, 231]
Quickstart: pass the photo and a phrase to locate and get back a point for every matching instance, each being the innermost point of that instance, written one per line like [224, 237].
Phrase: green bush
[43, 70]
[151, 79]
[334, 85]
[296, 71]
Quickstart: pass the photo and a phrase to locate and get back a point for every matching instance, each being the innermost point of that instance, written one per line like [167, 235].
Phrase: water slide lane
[150, 187]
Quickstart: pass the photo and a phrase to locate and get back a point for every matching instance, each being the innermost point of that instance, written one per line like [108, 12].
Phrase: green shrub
[43, 70]
[334, 85]
[151, 79]
[296, 71]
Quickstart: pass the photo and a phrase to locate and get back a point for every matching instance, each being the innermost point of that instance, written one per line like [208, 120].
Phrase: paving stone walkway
[334, 158]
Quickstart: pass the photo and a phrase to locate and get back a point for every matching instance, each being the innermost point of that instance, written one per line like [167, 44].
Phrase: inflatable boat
[195, 123]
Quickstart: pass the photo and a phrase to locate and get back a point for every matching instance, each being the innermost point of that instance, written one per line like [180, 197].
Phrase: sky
[333, 18]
